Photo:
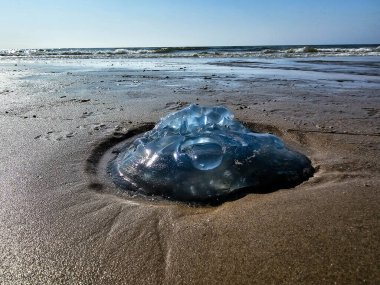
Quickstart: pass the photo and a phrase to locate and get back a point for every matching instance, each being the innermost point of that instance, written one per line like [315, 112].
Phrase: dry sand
[62, 221]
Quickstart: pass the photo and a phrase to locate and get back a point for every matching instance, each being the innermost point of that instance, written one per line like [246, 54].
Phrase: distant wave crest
[205, 52]
[179, 49]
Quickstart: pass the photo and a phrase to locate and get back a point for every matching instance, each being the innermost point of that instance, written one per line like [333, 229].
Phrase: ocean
[280, 51]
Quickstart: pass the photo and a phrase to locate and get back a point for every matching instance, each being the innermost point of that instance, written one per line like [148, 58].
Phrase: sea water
[280, 51]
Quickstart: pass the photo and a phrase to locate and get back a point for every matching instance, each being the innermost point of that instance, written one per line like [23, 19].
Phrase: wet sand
[62, 221]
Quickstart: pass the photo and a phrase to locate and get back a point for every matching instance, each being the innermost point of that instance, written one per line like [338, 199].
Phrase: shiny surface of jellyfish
[203, 153]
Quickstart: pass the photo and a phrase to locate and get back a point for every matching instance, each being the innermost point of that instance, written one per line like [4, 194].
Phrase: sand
[62, 220]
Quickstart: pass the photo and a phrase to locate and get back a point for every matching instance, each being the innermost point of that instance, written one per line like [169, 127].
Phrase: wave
[127, 51]
[203, 52]
[178, 49]
[306, 49]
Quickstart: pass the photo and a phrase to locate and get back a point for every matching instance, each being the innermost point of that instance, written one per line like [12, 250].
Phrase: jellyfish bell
[202, 153]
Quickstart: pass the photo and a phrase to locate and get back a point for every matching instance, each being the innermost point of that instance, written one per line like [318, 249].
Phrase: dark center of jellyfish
[205, 153]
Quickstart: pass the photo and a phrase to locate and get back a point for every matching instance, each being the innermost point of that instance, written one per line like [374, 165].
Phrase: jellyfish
[203, 154]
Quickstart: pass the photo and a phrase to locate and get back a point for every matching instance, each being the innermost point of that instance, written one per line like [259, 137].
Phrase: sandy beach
[63, 221]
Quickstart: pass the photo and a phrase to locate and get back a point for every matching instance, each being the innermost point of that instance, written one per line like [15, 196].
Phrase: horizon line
[196, 46]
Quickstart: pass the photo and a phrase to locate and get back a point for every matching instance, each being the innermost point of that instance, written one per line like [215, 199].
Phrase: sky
[155, 23]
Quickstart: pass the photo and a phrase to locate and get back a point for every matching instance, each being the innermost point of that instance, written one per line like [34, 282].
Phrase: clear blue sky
[127, 23]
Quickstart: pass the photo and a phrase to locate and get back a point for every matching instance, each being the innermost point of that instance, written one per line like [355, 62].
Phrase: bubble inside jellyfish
[204, 154]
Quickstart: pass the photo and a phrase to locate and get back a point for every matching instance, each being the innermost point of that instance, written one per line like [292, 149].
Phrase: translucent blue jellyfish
[204, 154]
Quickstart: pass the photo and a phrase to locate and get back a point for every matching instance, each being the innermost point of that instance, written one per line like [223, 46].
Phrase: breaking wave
[205, 52]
